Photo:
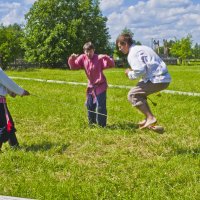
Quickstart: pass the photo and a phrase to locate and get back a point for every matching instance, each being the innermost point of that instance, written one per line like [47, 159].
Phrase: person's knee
[136, 96]
[136, 100]
[132, 95]
[131, 98]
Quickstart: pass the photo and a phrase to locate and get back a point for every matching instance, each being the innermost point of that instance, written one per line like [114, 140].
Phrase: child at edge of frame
[94, 64]
[7, 126]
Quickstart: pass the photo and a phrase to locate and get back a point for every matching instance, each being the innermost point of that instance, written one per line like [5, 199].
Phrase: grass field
[62, 158]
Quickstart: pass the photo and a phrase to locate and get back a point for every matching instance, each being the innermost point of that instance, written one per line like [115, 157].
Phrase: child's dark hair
[88, 46]
[123, 39]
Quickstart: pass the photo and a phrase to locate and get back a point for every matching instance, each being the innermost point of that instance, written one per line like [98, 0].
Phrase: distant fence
[170, 61]
[118, 63]
[193, 61]
[25, 65]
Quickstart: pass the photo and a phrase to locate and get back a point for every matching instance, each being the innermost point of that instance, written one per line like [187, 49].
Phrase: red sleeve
[108, 62]
[76, 63]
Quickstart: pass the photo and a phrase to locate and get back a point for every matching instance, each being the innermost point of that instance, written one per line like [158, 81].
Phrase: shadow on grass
[123, 126]
[45, 146]
[193, 152]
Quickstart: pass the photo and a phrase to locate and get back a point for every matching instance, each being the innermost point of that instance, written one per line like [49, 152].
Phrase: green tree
[196, 51]
[182, 48]
[128, 31]
[165, 49]
[10, 42]
[57, 28]
[169, 45]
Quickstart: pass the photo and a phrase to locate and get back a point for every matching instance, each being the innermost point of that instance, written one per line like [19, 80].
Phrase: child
[7, 127]
[94, 65]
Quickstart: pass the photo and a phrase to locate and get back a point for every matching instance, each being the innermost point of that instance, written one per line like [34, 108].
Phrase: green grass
[62, 158]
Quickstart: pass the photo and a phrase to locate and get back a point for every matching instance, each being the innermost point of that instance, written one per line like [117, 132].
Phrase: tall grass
[61, 157]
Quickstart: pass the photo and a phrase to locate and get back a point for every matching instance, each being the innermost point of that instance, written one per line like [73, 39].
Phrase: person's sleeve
[9, 84]
[108, 62]
[138, 65]
[75, 63]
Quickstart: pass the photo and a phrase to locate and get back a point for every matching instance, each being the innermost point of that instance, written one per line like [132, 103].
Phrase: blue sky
[148, 19]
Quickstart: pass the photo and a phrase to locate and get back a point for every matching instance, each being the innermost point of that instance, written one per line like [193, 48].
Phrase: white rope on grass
[182, 93]
[39, 97]
[112, 86]
[98, 113]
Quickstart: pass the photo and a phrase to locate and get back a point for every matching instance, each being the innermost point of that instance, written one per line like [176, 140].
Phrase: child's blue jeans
[100, 117]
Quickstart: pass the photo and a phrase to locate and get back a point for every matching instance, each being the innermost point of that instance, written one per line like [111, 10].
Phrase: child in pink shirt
[94, 65]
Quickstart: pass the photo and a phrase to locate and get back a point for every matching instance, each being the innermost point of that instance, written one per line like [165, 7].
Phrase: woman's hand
[25, 93]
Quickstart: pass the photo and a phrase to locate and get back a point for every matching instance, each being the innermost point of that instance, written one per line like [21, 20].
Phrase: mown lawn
[62, 158]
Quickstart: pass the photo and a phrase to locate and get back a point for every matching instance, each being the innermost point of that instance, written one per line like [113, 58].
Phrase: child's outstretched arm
[12, 88]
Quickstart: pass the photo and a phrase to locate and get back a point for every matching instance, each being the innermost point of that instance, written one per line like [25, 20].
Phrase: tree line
[55, 29]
